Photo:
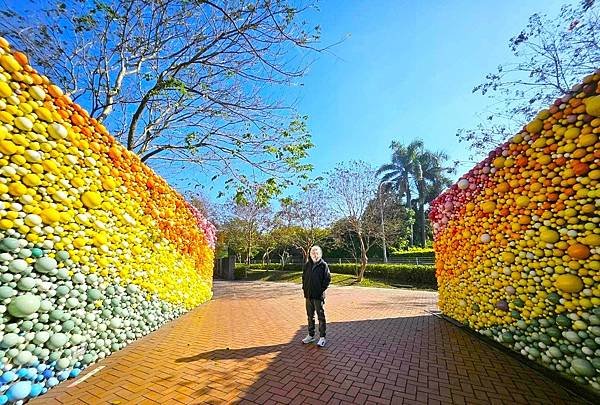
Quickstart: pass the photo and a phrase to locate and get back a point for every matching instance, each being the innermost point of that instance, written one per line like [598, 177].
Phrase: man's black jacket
[315, 279]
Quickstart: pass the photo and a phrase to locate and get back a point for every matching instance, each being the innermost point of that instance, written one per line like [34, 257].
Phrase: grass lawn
[336, 279]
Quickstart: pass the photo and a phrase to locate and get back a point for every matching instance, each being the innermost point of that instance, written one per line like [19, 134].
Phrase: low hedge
[401, 273]
[411, 274]
[428, 253]
[272, 266]
[239, 272]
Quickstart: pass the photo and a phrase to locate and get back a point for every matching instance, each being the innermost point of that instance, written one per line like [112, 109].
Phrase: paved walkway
[244, 346]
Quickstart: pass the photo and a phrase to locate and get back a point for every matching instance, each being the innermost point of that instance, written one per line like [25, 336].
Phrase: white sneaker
[308, 339]
[321, 342]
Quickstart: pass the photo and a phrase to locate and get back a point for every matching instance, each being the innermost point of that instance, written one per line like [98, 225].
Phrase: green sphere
[24, 305]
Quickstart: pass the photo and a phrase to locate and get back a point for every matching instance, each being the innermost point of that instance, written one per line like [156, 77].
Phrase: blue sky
[406, 71]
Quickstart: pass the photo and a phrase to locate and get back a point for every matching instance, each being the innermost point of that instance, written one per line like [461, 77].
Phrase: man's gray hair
[316, 247]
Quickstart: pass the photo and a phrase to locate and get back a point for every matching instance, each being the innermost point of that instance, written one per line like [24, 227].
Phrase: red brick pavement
[244, 347]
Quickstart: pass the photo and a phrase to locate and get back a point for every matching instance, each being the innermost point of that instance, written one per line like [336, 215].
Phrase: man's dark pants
[313, 305]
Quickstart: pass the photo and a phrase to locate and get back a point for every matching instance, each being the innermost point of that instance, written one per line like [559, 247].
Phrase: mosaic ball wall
[517, 240]
[96, 250]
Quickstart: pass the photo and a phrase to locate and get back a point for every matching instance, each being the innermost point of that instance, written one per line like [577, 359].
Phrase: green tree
[284, 239]
[243, 228]
[344, 239]
[398, 174]
[430, 181]
[416, 169]
[179, 81]
[389, 219]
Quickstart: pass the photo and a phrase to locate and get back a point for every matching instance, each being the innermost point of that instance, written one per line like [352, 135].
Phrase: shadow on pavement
[419, 359]
[227, 353]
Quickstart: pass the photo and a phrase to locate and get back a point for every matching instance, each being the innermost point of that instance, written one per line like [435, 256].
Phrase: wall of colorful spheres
[517, 239]
[96, 250]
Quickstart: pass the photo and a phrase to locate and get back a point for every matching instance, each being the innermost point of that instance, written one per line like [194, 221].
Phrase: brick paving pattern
[244, 347]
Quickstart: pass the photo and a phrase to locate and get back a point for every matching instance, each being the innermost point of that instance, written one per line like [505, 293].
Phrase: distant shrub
[400, 273]
[409, 274]
[239, 273]
[415, 252]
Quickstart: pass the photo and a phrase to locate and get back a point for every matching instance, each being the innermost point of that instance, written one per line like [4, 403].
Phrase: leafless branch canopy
[180, 80]
[550, 56]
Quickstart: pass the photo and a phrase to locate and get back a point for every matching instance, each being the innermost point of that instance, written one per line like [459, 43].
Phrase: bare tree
[551, 55]
[208, 208]
[308, 215]
[351, 186]
[244, 227]
[182, 81]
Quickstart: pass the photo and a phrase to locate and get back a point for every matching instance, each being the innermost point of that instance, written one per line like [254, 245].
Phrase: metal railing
[424, 260]
[387, 274]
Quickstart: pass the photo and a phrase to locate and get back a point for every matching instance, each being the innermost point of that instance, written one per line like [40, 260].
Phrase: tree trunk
[421, 183]
[422, 217]
[408, 193]
[284, 256]
[305, 253]
[265, 257]
[363, 258]
[249, 252]
[382, 226]
[411, 241]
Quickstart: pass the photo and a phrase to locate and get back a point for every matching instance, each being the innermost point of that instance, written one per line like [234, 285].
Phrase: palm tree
[430, 182]
[398, 175]
[413, 165]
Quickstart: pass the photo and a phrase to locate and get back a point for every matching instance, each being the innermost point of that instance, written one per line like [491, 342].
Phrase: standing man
[315, 280]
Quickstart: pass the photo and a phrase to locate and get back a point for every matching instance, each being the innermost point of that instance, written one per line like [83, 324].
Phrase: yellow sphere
[592, 106]
[549, 236]
[91, 199]
[8, 147]
[5, 90]
[9, 63]
[569, 283]
[488, 206]
[17, 189]
[534, 126]
[50, 216]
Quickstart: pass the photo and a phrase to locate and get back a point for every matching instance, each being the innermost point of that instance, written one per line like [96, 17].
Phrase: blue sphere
[3, 399]
[37, 252]
[32, 373]
[22, 372]
[53, 381]
[36, 389]
[8, 377]
[47, 373]
[41, 367]
[19, 391]
[63, 375]
[75, 372]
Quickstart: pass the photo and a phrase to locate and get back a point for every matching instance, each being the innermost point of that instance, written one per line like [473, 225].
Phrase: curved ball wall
[517, 240]
[96, 250]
